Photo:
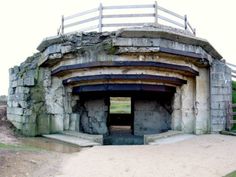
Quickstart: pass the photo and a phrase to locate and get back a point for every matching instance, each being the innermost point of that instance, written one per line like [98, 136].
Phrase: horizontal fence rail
[99, 15]
[233, 70]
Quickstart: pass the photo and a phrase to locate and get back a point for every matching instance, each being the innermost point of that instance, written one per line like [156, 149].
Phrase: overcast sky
[24, 24]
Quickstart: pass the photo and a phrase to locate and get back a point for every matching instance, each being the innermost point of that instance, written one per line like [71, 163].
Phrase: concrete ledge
[185, 70]
[133, 77]
[151, 138]
[95, 138]
[72, 140]
[123, 87]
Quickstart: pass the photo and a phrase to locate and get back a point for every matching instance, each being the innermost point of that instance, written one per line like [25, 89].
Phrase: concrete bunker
[175, 81]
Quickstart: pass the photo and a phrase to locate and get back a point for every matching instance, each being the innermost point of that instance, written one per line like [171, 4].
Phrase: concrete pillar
[187, 109]
[176, 114]
[202, 104]
[221, 94]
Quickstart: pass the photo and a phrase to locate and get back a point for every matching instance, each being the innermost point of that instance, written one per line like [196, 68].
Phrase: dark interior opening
[120, 119]
[149, 113]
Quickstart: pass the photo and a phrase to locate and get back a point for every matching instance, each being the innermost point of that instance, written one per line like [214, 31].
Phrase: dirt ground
[205, 156]
[17, 160]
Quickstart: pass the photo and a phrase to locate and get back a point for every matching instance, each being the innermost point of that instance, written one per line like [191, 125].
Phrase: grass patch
[11, 147]
[120, 105]
[233, 174]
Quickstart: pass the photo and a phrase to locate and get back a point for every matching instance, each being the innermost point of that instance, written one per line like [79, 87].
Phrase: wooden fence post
[185, 22]
[156, 12]
[62, 24]
[100, 18]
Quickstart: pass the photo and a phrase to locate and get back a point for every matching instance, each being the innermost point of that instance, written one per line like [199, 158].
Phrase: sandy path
[205, 156]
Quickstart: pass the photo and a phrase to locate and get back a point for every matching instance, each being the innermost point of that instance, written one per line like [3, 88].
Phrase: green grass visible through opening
[120, 105]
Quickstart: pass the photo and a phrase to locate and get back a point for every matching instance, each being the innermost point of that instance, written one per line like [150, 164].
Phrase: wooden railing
[231, 112]
[233, 71]
[101, 15]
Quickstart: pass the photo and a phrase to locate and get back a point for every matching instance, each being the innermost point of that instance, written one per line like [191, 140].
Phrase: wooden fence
[231, 112]
[233, 71]
[170, 17]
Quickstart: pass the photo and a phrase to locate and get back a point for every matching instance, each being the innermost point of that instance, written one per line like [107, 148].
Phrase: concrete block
[29, 129]
[22, 90]
[56, 123]
[66, 121]
[16, 111]
[218, 105]
[14, 117]
[13, 83]
[20, 82]
[74, 122]
[17, 125]
[29, 81]
[43, 124]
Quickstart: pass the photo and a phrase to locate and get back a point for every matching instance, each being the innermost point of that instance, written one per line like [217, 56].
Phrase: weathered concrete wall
[26, 100]
[94, 115]
[221, 94]
[150, 117]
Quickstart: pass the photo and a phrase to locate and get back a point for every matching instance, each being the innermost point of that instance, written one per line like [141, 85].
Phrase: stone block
[12, 77]
[218, 105]
[20, 82]
[29, 81]
[176, 120]
[16, 111]
[16, 69]
[216, 128]
[23, 104]
[13, 83]
[15, 104]
[66, 121]
[218, 120]
[220, 90]
[43, 124]
[30, 118]
[122, 42]
[219, 112]
[28, 112]
[22, 90]
[29, 129]
[66, 49]
[11, 71]
[188, 121]
[217, 98]
[74, 122]
[14, 117]
[17, 125]
[11, 90]
[52, 49]
[56, 123]
[141, 42]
